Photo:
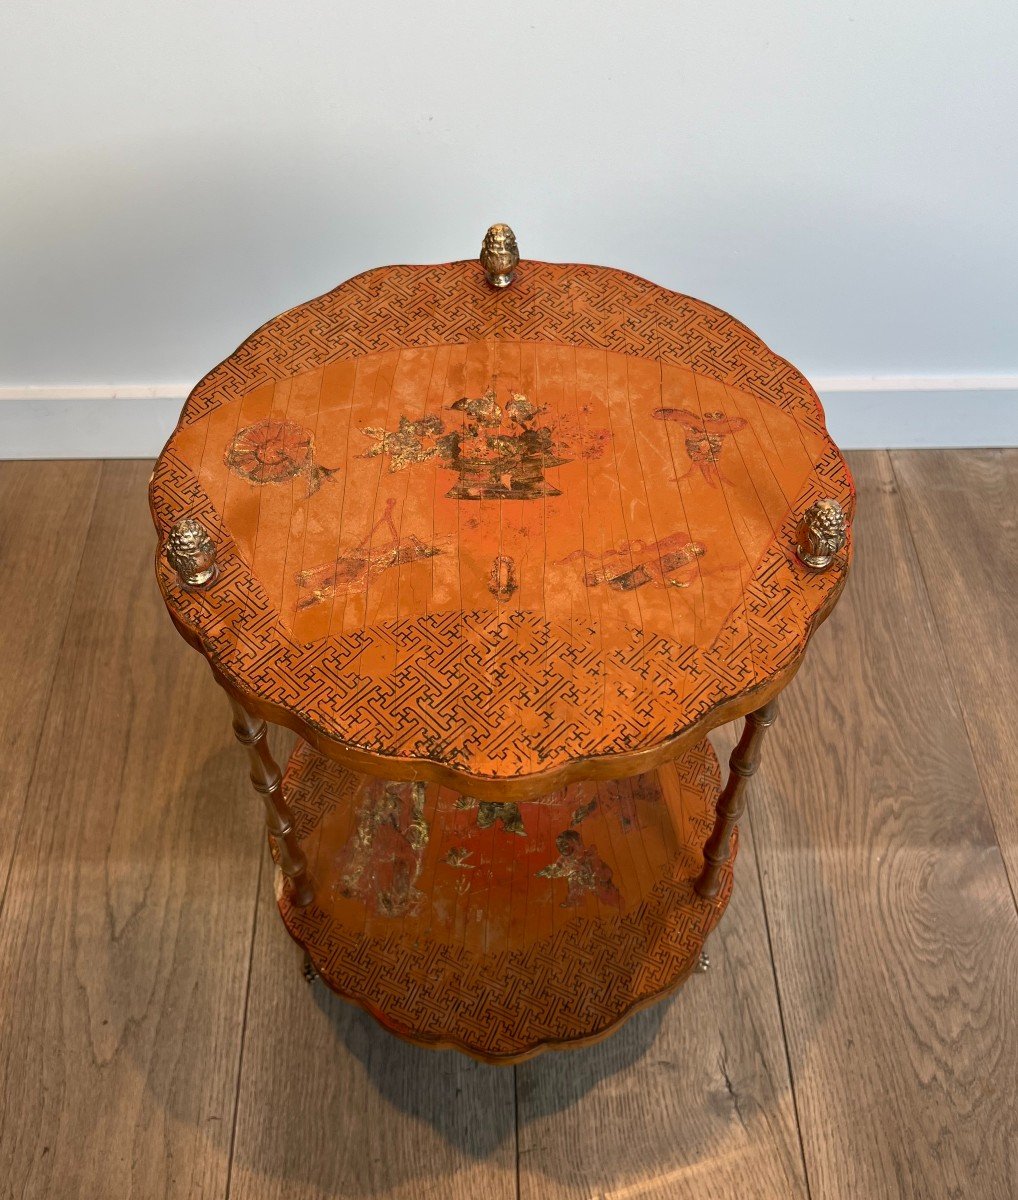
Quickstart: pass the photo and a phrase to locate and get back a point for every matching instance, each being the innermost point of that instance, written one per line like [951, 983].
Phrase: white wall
[841, 176]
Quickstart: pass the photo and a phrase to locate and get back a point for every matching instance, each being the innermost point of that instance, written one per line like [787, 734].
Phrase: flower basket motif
[499, 453]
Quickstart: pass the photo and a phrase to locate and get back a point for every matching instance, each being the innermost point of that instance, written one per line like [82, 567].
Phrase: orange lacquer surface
[502, 558]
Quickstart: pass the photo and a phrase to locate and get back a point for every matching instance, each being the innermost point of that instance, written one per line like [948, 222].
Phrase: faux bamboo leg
[743, 763]
[268, 782]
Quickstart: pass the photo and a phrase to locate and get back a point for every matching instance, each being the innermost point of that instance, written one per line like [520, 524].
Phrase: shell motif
[275, 451]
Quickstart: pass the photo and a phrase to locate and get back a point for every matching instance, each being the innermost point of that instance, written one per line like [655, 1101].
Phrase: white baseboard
[899, 412]
[863, 413]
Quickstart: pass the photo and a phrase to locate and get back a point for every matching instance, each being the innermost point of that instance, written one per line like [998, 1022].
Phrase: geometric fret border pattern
[573, 986]
[657, 687]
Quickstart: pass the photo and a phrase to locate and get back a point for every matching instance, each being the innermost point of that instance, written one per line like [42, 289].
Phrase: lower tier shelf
[503, 929]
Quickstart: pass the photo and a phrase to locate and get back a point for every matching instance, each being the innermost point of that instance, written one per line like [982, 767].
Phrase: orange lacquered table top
[476, 535]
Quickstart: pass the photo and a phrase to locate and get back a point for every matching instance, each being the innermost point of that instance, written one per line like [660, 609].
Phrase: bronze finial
[191, 553]
[821, 534]
[499, 256]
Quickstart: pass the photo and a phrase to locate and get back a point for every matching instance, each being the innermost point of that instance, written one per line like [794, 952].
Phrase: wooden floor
[856, 1036]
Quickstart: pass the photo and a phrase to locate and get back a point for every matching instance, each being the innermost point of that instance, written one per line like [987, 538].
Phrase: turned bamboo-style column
[268, 783]
[743, 763]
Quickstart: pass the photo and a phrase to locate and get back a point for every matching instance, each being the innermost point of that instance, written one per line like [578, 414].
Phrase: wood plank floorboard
[125, 937]
[690, 1098]
[895, 937]
[45, 509]
[136, 1061]
[962, 511]
[331, 1105]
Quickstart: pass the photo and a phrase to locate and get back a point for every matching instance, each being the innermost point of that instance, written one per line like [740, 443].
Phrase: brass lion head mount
[499, 256]
[191, 552]
[821, 533]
